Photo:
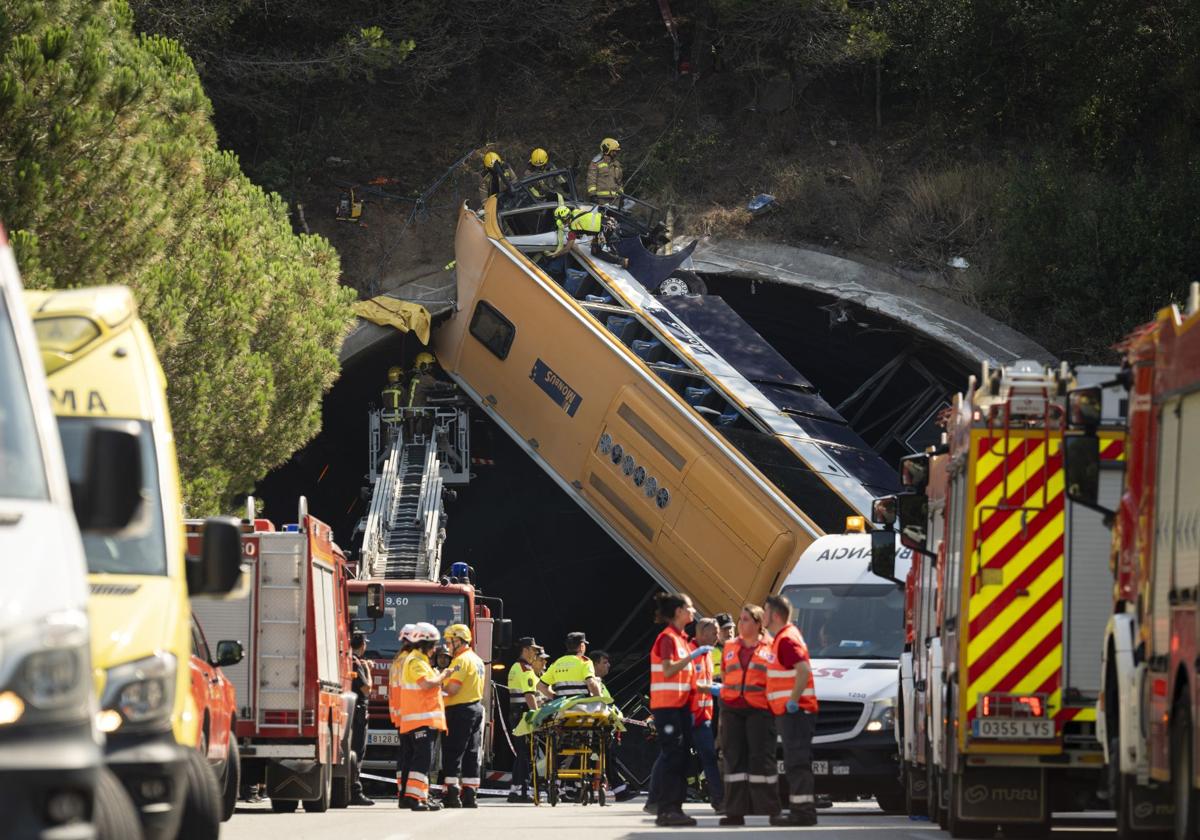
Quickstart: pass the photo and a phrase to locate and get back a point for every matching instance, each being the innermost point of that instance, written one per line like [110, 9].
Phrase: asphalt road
[495, 819]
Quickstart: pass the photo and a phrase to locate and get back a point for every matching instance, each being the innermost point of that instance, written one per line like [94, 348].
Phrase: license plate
[820, 768]
[1015, 729]
[383, 738]
[841, 769]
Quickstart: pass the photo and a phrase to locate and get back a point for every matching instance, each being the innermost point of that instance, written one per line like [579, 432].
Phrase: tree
[111, 174]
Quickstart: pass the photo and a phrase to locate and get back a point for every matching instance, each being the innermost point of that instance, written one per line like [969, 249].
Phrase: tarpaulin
[403, 315]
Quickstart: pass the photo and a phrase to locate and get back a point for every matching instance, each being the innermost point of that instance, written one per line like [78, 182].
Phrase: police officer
[522, 697]
[422, 715]
[488, 181]
[464, 720]
[572, 674]
[361, 686]
[793, 701]
[605, 178]
[540, 661]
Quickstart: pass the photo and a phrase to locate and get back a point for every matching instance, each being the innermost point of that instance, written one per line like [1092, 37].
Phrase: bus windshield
[850, 621]
[400, 608]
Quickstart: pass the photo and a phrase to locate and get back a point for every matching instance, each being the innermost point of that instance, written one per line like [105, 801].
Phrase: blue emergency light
[291, 528]
[460, 570]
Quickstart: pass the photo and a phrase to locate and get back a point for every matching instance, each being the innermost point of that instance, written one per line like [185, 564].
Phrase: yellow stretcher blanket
[600, 710]
[404, 315]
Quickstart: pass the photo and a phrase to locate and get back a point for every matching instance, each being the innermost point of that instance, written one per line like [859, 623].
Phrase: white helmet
[406, 632]
[426, 632]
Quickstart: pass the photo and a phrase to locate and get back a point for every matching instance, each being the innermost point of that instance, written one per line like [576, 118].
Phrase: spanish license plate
[1014, 729]
[820, 768]
[383, 738]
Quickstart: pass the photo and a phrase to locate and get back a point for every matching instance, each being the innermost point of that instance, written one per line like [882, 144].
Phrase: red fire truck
[997, 704]
[452, 600]
[293, 687]
[1147, 715]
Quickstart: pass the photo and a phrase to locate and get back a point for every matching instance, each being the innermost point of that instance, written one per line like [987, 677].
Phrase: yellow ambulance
[103, 374]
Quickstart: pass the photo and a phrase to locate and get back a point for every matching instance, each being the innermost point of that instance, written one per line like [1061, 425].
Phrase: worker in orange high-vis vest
[793, 701]
[670, 698]
[747, 733]
[703, 691]
[395, 686]
[422, 715]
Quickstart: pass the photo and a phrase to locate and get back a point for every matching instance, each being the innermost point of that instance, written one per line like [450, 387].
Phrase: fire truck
[1147, 708]
[293, 686]
[997, 725]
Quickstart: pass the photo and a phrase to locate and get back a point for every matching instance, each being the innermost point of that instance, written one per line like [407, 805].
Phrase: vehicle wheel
[892, 801]
[233, 780]
[1181, 771]
[321, 804]
[284, 806]
[342, 782]
[201, 800]
[114, 815]
[682, 282]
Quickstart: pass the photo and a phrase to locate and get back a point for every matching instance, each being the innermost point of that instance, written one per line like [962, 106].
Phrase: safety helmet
[608, 145]
[406, 632]
[425, 632]
[458, 631]
[562, 211]
[538, 157]
[490, 160]
[424, 360]
[394, 374]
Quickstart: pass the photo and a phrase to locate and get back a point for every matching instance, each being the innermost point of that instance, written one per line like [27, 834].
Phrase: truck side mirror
[229, 652]
[503, 634]
[883, 511]
[1085, 408]
[883, 555]
[913, 512]
[914, 471]
[218, 570]
[375, 600]
[110, 493]
[1081, 457]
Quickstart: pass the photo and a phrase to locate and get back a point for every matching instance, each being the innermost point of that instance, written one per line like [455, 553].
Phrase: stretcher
[574, 735]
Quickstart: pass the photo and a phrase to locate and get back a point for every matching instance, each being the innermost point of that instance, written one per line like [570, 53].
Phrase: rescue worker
[522, 697]
[726, 630]
[395, 689]
[605, 179]
[539, 164]
[541, 661]
[793, 701]
[393, 395]
[747, 728]
[571, 223]
[420, 382]
[464, 721]
[572, 674]
[422, 714]
[670, 694]
[619, 788]
[488, 182]
[361, 686]
[701, 704]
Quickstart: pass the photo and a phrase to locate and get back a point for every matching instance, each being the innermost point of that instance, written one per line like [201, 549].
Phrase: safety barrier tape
[386, 780]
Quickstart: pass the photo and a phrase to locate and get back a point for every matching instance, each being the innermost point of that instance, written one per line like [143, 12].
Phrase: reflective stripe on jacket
[749, 684]
[395, 686]
[675, 691]
[420, 706]
[780, 680]
[604, 178]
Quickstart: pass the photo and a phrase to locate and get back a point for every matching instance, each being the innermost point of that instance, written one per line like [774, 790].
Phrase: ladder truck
[1148, 704]
[997, 726]
[416, 455]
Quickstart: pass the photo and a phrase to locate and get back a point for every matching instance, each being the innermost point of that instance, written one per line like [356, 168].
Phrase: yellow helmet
[608, 145]
[490, 160]
[538, 157]
[458, 631]
[562, 211]
[394, 374]
[423, 360]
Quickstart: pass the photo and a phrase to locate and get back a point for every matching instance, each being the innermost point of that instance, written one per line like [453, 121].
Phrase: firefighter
[571, 223]
[395, 690]
[361, 686]
[464, 720]
[488, 185]
[522, 697]
[793, 701]
[572, 674]
[605, 179]
[422, 714]
[420, 382]
[539, 164]
[393, 395]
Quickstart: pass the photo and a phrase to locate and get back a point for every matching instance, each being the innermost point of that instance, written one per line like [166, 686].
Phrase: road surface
[495, 820]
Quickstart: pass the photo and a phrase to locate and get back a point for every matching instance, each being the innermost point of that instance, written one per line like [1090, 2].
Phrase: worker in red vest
[747, 727]
[670, 697]
[793, 701]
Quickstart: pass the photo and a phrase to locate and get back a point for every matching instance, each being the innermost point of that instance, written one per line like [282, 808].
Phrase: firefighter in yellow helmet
[539, 164]
[605, 179]
[393, 394]
[420, 382]
[464, 720]
[488, 182]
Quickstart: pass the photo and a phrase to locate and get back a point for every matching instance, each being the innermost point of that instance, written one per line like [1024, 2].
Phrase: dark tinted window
[492, 329]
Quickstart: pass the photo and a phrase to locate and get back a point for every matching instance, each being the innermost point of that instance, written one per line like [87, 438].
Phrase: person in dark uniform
[361, 686]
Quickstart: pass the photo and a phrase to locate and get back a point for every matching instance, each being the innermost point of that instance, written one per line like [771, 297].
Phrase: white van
[853, 624]
[52, 781]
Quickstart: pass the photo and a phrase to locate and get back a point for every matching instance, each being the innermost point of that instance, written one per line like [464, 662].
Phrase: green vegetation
[111, 174]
